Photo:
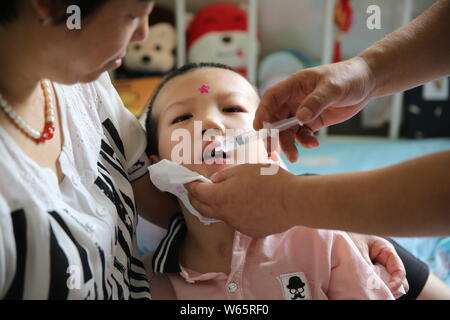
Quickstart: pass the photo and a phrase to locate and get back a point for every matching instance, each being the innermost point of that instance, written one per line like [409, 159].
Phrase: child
[197, 261]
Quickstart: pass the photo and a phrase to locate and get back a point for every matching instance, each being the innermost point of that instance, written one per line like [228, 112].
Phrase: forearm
[412, 55]
[408, 199]
[153, 205]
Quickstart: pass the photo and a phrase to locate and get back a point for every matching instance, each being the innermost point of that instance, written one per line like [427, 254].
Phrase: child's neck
[206, 248]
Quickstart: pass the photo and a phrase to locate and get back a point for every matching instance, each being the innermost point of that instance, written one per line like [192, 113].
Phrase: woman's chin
[91, 77]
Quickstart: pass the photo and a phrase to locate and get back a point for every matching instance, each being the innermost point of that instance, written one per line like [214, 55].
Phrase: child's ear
[154, 159]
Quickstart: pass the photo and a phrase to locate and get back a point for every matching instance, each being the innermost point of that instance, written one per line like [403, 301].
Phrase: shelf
[326, 52]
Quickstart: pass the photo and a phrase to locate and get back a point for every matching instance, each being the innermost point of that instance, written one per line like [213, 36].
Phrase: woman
[67, 213]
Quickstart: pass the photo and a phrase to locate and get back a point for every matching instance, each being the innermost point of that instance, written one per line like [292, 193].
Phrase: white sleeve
[131, 140]
[7, 249]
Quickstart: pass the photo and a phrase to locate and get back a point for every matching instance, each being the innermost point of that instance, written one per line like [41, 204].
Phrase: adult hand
[376, 250]
[253, 203]
[318, 97]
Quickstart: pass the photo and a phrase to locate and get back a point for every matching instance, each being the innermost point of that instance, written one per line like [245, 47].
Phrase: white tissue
[169, 176]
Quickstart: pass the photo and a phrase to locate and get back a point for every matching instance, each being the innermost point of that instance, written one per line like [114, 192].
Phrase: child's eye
[233, 109]
[181, 118]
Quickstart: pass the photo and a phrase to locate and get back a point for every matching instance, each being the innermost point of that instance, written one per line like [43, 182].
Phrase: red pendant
[47, 133]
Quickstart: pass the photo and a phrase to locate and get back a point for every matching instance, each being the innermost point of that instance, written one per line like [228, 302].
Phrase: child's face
[221, 100]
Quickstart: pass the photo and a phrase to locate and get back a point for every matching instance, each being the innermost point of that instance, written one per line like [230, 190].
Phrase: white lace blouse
[76, 239]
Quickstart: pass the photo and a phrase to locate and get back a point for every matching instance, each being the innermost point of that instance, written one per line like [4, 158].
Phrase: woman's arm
[160, 286]
[412, 55]
[408, 199]
[155, 206]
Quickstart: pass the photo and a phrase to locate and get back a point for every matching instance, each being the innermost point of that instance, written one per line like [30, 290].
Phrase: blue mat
[357, 155]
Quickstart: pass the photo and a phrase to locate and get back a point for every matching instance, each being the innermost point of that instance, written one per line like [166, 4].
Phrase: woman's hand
[250, 202]
[376, 250]
[319, 97]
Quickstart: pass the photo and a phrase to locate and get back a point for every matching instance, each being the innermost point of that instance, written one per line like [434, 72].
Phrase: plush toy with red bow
[218, 33]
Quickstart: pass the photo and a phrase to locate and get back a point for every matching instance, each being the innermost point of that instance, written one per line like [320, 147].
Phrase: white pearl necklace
[47, 133]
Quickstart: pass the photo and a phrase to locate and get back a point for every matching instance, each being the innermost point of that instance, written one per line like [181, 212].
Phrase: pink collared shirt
[299, 264]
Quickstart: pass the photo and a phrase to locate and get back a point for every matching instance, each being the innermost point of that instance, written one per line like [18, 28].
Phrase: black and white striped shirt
[75, 239]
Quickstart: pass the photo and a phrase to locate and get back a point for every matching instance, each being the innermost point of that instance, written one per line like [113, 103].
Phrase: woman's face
[82, 55]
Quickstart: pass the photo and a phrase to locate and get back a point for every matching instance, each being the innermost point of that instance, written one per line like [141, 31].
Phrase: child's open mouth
[216, 155]
[213, 154]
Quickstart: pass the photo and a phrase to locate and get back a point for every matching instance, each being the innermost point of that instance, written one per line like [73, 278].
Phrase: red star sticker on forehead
[204, 89]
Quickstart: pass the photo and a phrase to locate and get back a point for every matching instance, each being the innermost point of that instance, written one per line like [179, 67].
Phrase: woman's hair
[9, 9]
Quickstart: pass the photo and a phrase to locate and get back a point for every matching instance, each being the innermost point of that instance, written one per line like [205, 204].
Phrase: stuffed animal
[156, 55]
[218, 33]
